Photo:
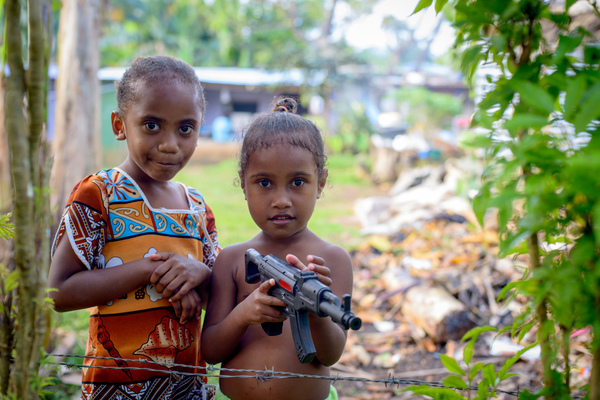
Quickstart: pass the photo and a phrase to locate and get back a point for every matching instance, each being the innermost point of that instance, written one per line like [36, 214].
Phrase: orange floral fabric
[109, 222]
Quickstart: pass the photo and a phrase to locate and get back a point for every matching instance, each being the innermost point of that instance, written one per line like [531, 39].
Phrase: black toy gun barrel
[302, 292]
[343, 316]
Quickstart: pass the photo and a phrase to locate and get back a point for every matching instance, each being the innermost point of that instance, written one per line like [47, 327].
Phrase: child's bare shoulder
[232, 250]
[329, 250]
[232, 256]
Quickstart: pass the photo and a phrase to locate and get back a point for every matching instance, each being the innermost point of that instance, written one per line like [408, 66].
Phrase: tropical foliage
[227, 33]
[538, 109]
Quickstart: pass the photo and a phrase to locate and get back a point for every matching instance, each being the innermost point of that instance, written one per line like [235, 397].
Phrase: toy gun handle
[274, 328]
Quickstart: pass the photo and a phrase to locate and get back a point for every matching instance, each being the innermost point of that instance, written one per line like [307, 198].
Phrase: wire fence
[259, 375]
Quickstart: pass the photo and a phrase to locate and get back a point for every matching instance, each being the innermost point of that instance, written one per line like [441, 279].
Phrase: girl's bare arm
[80, 288]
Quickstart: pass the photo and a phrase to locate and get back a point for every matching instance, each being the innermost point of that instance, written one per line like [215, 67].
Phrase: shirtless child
[282, 174]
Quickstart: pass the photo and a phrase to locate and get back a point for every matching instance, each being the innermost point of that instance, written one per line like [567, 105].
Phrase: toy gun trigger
[305, 348]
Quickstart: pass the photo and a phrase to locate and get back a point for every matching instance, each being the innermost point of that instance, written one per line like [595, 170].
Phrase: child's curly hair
[282, 126]
[147, 71]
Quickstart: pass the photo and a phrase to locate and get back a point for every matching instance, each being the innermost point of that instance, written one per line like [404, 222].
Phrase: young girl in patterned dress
[137, 248]
[282, 173]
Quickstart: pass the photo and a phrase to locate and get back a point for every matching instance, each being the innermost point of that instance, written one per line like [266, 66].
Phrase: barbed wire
[259, 375]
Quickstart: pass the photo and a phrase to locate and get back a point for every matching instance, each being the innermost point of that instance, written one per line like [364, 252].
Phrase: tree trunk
[594, 392]
[76, 140]
[5, 180]
[25, 94]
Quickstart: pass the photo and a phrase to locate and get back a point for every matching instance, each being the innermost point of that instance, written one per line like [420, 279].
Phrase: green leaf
[527, 348]
[468, 351]
[498, 42]
[474, 370]
[470, 60]
[11, 281]
[534, 95]
[527, 121]
[574, 92]
[509, 247]
[510, 286]
[489, 374]
[455, 382]
[509, 10]
[476, 332]
[482, 389]
[503, 374]
[591, 53]
[507, 364]
[596, 219]
[569, 3]
[451, 365]
[589, 109]
[439, 4]
[566, 44]
[506, 376]
[6, 227]
[480, 204]
[435, 393]
[421, 5]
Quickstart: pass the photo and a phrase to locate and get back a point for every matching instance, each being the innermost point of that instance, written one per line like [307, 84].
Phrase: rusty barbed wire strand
[259, 375]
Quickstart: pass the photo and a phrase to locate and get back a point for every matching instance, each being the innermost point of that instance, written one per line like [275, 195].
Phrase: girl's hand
[259, 306]
[188, 307]
[177, 275]
[316, 264]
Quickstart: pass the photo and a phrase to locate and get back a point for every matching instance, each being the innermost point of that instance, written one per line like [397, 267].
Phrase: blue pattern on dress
[130, 215]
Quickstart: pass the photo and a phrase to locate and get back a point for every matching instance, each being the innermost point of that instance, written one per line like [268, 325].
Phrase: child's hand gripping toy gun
[302, 292]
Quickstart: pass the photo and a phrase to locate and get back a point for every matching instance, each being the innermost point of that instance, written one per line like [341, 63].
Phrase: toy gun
[302, 292]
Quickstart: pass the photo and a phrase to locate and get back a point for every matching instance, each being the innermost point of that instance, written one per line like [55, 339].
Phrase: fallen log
[441, 316]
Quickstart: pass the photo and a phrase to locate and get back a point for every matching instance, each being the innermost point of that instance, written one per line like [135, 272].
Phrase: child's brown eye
[298, 182]
[152, 126]
[264, 183]
[186, 129]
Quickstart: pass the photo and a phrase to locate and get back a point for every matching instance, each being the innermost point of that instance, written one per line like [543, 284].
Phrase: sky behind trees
[367, 32]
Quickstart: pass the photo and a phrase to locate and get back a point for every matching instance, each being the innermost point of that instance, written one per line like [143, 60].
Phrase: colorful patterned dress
[109, 222]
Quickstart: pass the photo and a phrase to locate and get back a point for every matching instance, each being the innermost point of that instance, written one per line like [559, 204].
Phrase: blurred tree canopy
[265, 34]
[224, 33]
[426, 108]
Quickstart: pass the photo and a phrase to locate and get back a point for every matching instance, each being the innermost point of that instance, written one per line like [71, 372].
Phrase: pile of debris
[426, 274]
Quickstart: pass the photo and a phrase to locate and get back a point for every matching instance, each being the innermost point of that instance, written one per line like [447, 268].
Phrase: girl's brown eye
[186, 129]
[152, 126]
